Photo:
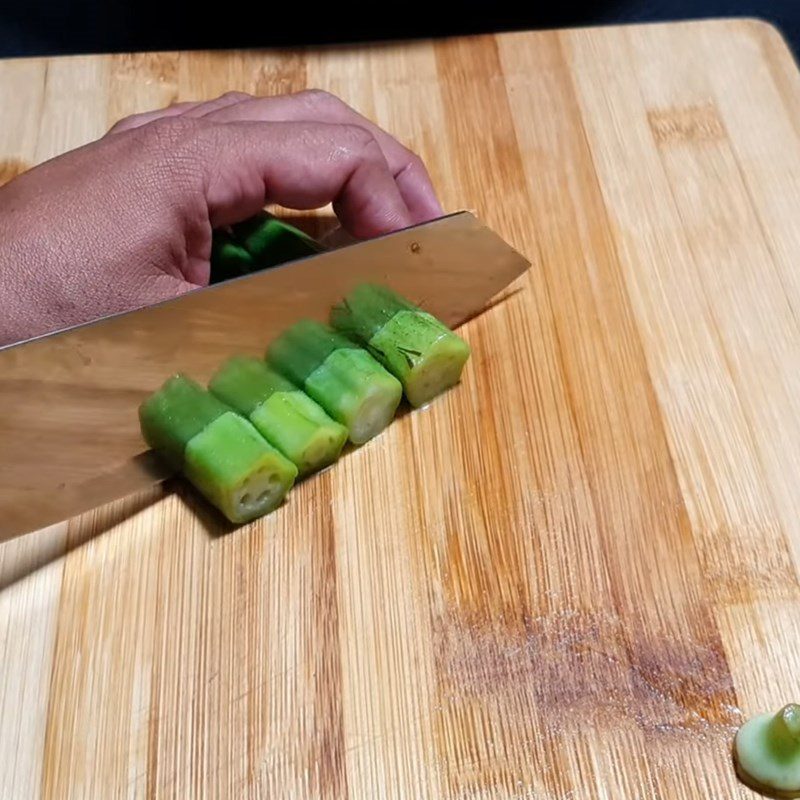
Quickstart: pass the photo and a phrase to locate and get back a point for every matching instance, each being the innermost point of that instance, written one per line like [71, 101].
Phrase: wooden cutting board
[570, 578]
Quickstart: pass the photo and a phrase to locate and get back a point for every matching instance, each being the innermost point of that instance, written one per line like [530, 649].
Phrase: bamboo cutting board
[571, 577]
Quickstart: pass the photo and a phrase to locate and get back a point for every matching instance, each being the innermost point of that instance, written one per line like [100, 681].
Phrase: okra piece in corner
[282, 413]
[767, 752]
[221, 453]
[412, 344]
[341, 376]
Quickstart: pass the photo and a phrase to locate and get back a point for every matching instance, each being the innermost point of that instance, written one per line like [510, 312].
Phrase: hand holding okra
[127, 220]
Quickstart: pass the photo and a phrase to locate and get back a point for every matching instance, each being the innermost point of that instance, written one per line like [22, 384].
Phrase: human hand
[126, 221]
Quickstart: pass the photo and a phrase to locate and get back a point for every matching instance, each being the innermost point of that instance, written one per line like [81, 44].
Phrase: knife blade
[69, 431]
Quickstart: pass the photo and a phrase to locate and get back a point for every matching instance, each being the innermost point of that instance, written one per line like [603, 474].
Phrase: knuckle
[236, 95]
[120, 125]
[415, 165]
[169, 133]
[125, 123]
[319, 99]
[173, 147]
[360, 137]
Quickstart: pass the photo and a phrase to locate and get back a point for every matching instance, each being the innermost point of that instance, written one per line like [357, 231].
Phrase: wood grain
[569, 578]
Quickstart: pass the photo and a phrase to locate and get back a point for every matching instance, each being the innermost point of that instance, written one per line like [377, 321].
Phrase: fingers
[226, 100]
[192, 108]
[137, 120]
[408, 168]
[301, 166]
[408, 171]
[323, 121]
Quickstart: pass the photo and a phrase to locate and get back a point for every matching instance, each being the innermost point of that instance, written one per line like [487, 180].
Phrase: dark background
[35, 27]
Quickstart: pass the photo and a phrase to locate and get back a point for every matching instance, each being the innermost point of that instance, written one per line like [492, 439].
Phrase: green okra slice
[237, 469]
[228, 259]
[271, 241]
[413, 345]
[767, 752]
[282, 413]
[220, 452]
[341, 376]
[244, 382]
[175, 414]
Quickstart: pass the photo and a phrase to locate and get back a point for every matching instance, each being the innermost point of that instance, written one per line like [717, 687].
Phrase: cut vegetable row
[263, 423]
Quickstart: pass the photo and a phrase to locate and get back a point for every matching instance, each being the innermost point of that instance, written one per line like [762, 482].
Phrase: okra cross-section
[237, 470]
[341, 376]
[219, 451]
[413, 345]
[282, 413]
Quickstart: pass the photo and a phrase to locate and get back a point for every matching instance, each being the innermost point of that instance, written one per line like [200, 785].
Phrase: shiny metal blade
[69, 431]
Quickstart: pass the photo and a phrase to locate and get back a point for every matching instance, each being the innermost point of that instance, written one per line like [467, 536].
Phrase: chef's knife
[69, 431]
